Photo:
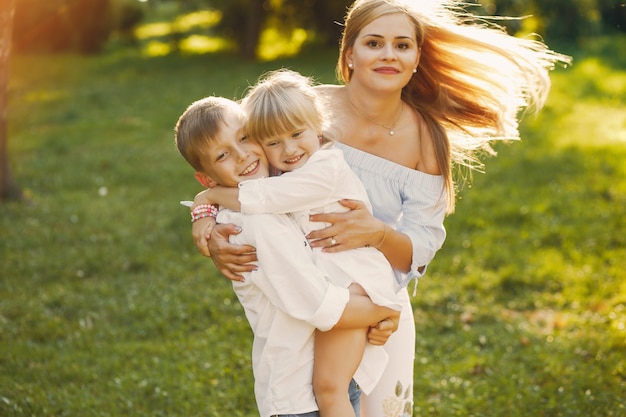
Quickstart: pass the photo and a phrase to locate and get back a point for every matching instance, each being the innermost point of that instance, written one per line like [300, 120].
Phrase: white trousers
[393, 395]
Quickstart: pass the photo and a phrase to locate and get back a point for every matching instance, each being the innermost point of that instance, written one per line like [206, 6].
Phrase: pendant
[391, 133]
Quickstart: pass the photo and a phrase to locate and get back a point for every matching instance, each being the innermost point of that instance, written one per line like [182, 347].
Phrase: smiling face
[232, 157]
[292, 149]
[284, 117]
[385, 53]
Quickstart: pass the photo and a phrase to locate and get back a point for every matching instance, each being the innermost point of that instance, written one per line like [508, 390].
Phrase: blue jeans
[355, 398]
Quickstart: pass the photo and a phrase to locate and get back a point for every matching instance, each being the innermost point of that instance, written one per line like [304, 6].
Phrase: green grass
[107, 309]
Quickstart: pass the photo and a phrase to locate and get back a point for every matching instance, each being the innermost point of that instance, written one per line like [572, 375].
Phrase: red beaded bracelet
[203, 211]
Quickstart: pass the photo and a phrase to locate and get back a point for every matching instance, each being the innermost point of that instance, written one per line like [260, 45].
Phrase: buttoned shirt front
[285, 300]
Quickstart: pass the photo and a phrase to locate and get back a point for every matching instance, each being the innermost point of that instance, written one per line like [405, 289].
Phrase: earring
[350, 65]
[414, 70]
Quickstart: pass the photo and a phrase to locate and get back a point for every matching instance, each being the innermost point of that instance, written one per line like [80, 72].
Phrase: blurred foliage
[86, 25]
[560, 20]
[246, 21]
[82, 26]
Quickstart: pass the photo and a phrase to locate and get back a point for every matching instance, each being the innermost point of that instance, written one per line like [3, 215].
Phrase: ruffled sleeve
[410, 201]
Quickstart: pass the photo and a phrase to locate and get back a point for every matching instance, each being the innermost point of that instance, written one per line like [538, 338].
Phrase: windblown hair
[282, 101]
[200, 125]
[473, 78]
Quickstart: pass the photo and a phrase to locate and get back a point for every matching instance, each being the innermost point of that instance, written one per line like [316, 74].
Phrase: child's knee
[325, 385]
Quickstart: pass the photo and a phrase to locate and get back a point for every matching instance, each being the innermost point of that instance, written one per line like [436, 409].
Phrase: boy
[287, 297]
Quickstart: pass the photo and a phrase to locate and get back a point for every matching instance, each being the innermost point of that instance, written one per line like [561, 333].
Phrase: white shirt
[317, 187]
[410, 201]
[285, 300]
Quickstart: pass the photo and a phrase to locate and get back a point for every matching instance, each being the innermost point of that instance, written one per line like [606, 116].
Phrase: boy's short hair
[199, 126]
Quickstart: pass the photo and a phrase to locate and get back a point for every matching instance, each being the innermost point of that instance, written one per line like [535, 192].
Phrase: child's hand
[378, 334]
[201, 231]
[230, 260]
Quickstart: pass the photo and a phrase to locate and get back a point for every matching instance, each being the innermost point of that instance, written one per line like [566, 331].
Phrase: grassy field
[106, 308]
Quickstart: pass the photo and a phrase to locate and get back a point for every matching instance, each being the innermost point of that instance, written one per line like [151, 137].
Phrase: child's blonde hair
[472, 79]
[282, 101]
[200, 125]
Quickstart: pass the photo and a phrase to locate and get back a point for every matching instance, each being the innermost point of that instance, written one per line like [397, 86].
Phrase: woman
[424, 86]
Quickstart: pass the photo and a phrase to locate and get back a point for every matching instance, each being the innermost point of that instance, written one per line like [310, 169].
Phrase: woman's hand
[230, 260]
[378, 334]
[349, 230]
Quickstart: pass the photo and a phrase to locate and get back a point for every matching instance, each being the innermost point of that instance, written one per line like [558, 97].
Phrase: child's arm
[310, 186]
[201, 231]
[307, 187]
[227, 197]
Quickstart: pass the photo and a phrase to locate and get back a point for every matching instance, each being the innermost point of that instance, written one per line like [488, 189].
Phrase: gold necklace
[389, 128]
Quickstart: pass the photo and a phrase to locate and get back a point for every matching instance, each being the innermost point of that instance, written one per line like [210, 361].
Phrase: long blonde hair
[472, 81]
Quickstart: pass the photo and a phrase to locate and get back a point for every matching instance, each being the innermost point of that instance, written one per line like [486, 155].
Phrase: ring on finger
[333, 241]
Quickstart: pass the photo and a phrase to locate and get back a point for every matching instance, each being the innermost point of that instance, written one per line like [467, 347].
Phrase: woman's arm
[293, 284]
[233, 260]
[358, 228]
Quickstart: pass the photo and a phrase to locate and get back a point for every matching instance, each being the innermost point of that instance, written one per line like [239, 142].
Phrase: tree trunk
[8, 188]
[253, 28]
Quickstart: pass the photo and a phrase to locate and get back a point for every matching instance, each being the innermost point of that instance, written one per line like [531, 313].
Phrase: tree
[242, 22]
[325, 17]
[80, 26]
[562, 20]
[8, 188]
[614, 14]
